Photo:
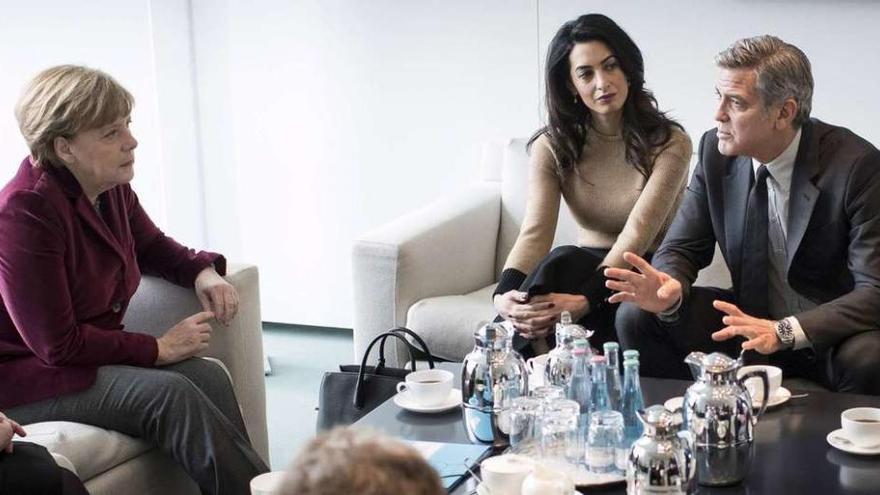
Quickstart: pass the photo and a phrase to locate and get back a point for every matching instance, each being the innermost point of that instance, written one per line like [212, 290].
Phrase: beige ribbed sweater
[613, 204]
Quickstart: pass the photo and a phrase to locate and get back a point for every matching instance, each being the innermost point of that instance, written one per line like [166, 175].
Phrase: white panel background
[277, 131]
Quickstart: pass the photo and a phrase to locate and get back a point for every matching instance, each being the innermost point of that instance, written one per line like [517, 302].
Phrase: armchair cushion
[447, 323]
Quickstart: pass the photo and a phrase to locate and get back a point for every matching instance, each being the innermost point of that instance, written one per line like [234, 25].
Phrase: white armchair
[434, 270]
[112, 463]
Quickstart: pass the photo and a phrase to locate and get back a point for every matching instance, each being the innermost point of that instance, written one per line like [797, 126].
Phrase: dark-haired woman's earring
[575, 99]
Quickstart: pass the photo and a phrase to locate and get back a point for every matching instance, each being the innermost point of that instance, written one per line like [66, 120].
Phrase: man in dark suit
[794, 204]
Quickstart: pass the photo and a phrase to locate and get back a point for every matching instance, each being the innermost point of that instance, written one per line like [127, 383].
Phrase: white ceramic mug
[428, 387]
[267, 483]
[861, 426]
[504, 474]
[753, 385]
[545, 481]
[536, 367]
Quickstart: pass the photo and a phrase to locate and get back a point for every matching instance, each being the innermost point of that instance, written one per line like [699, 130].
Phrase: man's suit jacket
[833, 242]
[66, 277]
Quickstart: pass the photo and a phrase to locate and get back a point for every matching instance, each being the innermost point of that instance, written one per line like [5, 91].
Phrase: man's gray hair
[783, 71]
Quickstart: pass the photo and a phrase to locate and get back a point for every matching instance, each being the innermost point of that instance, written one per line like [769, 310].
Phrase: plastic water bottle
[615, 391]
[579, 386]
[632, 401]
[599, 399]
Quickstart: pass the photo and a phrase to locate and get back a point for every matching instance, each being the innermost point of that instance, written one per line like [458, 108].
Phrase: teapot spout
[695, 361]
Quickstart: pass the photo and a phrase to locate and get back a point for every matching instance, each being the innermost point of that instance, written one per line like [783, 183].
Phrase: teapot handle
[764, 383]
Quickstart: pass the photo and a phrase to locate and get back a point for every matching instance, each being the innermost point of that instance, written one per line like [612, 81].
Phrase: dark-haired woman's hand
[529, 319]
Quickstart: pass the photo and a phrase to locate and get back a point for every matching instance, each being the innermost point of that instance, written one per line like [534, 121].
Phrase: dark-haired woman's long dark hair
[645, 127]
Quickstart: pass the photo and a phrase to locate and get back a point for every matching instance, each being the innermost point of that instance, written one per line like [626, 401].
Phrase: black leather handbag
[353, 391]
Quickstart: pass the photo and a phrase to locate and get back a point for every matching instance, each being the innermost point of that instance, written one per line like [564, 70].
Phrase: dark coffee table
[791, 457]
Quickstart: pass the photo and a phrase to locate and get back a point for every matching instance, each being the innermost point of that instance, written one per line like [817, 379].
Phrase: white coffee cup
[861, 426]
[428, 387]
[267, 483]
[504, 474]
[546, 481]
[753, 385]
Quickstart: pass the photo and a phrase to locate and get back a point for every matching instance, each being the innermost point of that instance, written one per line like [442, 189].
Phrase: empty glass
[604, 441]
[548, 392]
[558, 435]
[525, 417]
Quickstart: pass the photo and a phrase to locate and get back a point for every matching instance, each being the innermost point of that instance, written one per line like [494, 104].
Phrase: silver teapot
[559, 360]
[718, 413]
[661, 460]
[492, 375]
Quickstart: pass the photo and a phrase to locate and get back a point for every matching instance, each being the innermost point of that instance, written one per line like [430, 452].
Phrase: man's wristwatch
[785, 333]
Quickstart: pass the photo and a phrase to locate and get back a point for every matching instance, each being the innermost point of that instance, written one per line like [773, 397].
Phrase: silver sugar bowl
[718, 413]
[492, 375]
[661, 460]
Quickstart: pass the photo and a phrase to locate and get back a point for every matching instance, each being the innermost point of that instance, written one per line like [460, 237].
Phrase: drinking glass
[604, 441]
[548, 392]
[525, 417]
[559, 428]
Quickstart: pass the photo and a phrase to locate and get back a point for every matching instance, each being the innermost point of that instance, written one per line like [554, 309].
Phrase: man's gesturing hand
[760, 334]
[649, 288]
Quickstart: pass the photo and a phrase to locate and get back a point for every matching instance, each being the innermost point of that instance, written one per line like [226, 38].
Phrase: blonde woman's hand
[217, 295]
[185, 340]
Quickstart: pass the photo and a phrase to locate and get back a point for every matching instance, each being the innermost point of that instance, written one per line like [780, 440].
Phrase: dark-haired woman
[619, 163]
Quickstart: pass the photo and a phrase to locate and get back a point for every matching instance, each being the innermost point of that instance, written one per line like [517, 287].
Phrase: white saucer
[484, 490]
[404, 400]
[833, 441]
[781, 396]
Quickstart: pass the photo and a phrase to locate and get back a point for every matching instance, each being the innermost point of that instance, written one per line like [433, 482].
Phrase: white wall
[680, 39]
[347, 114]
[145, 45]
[278, 131]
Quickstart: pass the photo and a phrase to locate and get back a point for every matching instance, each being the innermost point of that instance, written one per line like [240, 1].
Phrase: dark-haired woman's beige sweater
[613, 204]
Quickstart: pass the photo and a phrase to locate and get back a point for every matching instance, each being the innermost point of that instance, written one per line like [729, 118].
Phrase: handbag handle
[422, 347]
[359, 389]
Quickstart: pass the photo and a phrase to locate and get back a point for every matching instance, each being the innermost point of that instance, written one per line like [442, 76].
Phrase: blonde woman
[75, 243]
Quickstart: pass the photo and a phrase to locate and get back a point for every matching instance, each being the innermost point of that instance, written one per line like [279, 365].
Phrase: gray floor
[299, 356]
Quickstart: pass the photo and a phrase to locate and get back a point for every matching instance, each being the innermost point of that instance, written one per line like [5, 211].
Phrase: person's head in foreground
[363, 462]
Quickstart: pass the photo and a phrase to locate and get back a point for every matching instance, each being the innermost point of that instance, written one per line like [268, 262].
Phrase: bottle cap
[598, 359]
[630, 354]
[579, 351]
[610, 346]
[581, 343]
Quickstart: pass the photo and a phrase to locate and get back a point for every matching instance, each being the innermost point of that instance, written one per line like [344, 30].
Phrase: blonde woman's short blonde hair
[347, 460]
[64, 100]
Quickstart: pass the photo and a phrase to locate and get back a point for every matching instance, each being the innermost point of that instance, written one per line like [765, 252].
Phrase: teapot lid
[716, 362]
[660, 419]
[493, 335]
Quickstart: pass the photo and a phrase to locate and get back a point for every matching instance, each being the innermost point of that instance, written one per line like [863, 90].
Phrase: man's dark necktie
[755, 269]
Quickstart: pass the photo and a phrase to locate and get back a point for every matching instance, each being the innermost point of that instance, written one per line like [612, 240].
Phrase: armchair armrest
[158, 305]
[447, 247]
